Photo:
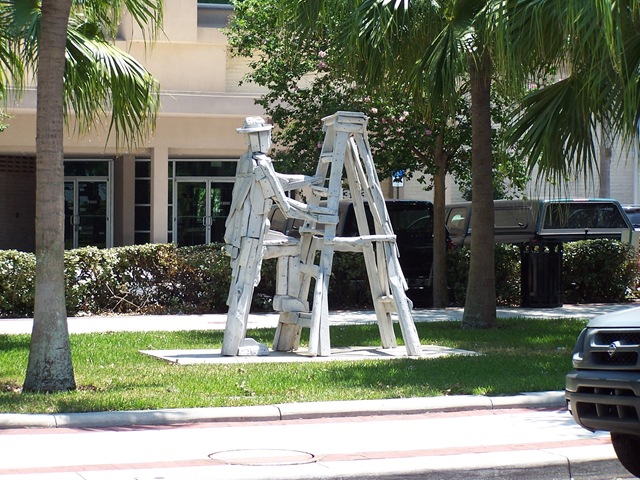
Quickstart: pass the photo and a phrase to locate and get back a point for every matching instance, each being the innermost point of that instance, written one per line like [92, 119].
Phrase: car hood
[624, 319]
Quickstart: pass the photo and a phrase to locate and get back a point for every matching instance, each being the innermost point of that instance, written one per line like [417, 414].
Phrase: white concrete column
[159, 194]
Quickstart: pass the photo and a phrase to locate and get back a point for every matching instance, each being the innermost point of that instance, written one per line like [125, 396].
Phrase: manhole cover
[263, 457]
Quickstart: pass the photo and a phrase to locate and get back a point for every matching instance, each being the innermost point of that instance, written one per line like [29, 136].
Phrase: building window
[142, 205]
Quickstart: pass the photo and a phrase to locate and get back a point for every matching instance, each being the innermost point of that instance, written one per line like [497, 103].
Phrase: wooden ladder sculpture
[345, 150]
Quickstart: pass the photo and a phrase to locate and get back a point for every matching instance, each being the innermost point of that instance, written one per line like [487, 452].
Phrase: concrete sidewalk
[409, 439]
[134, 323]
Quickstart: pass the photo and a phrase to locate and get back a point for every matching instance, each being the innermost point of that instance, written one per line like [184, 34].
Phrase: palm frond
[103, 81]
[558, 129]
[21, 25]
[146, 14]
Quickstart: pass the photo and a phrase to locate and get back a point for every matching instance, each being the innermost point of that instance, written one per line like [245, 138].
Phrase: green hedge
[507, 262]
[600, 271]
[163, 279]
[593, 271]
[17, 277]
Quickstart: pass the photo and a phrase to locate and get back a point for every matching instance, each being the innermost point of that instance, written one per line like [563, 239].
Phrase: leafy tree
[68, 45]
[439, 45]
[592, 50]
[309, 76]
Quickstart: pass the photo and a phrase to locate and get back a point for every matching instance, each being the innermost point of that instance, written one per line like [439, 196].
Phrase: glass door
[191, 216]
[86, 213]
[202, 207]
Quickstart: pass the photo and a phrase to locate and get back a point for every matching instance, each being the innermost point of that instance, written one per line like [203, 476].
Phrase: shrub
[161, 278]
[599, 271]
[507, 264]
[508, 290]
[17, 278]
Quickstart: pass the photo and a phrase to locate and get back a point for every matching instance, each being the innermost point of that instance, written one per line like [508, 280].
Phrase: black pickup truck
[552, 220]
[603, 389]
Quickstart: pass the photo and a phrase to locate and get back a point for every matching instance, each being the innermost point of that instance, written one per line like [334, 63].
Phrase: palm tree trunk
[605, 165]
[480, 306]
[440, 296]
[49, 367]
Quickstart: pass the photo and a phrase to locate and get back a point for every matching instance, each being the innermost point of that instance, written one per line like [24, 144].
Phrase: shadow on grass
[14, 342]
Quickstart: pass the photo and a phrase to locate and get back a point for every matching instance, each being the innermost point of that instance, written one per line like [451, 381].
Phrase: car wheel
[627, 449]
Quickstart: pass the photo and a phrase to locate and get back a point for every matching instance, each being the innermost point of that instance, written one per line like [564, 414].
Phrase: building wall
[624, 184]
[202, 105]
[201, 108]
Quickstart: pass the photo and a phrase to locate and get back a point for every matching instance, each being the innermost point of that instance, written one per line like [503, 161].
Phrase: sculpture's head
[258, 134]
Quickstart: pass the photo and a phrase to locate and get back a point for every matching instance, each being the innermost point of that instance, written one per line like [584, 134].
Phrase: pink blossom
[322, 54]
[322, 65]
[428, 132]
[374, 110]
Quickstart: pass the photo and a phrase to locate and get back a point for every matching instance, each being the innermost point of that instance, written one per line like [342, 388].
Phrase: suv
[603, 390]
[412, 222]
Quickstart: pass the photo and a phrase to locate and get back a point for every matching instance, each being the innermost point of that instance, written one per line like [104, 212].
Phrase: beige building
[176, 187]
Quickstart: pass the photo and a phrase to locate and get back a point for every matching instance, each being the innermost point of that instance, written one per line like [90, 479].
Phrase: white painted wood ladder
[345, 149]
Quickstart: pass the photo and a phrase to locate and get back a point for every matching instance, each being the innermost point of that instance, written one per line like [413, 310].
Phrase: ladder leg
[319, 337]
[383, 316]
[408, 327]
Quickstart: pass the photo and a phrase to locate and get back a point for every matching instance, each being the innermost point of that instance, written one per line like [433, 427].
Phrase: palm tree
[592, 52]
[78, 71]
[441, 50]
[436, 46]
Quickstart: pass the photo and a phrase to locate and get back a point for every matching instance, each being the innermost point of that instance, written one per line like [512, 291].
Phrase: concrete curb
[287, 411]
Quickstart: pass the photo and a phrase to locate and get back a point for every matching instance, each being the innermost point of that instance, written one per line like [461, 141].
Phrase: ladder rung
[320, 190]
[326, 157]
[302, 319]
[388, 303]
[363, 240]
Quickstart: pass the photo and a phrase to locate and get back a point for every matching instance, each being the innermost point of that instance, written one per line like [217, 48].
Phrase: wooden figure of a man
[256, 187]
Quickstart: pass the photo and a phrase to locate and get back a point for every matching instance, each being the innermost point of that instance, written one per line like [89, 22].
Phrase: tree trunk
[480, 306]
[440, 295]
[50, 368]
[605, 166]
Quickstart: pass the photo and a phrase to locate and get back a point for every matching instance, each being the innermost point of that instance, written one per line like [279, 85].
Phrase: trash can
[541, 274]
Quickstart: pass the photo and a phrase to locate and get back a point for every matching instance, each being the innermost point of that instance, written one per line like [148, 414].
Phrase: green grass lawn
[520, 356]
